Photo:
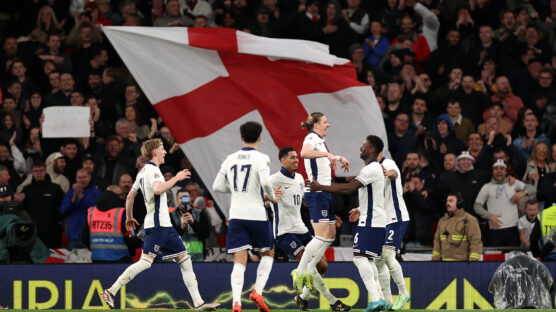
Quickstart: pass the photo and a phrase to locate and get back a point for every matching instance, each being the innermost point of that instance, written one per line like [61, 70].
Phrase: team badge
[293, 245]
[156, 248]
[324, 213]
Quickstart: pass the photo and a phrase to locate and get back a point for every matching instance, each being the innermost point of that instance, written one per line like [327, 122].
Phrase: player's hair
[250, 131]
[311, 121]
[284, 151]
[149, 146]
[376, 143]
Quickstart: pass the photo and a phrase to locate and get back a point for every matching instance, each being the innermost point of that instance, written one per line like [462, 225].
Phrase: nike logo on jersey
[286, 187]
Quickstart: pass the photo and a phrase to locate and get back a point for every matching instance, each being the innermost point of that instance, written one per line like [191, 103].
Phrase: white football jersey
[371, 196]
[319, 167]
[243, 170]
[287, 211]
[394, 204]
[157, 208]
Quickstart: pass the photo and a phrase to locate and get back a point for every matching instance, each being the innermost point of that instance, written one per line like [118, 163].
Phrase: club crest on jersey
[293, 245]
[156, 248]
[324, 213]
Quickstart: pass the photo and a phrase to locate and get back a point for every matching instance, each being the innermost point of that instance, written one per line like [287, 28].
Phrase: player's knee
[322, 266]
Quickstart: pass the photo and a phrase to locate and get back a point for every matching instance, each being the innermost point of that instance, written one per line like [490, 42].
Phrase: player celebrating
[160, 237]
[292, 234]
[244, 173]
[368, 239]
[397, 215]
[319, 163]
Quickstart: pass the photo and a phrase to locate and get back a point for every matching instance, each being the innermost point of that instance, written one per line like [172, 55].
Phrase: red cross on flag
[206, 82]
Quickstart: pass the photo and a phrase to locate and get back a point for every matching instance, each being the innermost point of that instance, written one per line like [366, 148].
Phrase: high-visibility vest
[107, 238]
[548, 220]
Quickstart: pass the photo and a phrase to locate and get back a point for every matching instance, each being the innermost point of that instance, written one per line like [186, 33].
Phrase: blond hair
[311, 120]
[149, 146]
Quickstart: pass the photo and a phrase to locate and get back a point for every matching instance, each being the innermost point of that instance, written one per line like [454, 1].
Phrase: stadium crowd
[461, 84]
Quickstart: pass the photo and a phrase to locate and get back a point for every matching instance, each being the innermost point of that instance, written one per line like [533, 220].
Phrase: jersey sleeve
[264, 176]
[275, 180]
[370, 174]
[311, 140]
[136, 184]
[156, 176]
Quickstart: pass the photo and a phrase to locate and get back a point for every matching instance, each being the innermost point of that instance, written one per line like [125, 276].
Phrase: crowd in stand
[461, 84]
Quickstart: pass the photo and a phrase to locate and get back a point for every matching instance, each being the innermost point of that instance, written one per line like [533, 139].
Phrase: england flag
[206, 82]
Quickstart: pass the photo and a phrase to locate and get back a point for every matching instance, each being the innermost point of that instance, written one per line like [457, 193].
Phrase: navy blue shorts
[249, 234]
[393, 235]
[320, 207]
[291, 243]
[368, 241]
[163, 241]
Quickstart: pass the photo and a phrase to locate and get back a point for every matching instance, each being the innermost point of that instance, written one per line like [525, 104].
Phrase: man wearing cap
[502, 201]
[465, 180]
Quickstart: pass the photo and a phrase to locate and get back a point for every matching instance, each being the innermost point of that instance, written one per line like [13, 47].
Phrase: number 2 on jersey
[247, 169]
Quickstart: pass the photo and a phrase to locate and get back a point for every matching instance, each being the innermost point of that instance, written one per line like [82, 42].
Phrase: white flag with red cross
[206, 82]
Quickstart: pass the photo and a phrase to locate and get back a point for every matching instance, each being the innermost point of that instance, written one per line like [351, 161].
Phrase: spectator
[419, 45]
[544, 99]
[530, 136]
[421, 211]
[475, 144]
[412, 167]
[495, 122]
[457, 237]
[356, 17]
[55, 164]
[53, 53]
[73, 39]
[449, 166]
[12, 159]
[463, 127]
[125, 182]
[337, 33]
[420, 119]
[466, 180]
[70, 150]
[401, 141]
[192, 224]
[88, 162]
[375, 45]
[82, 195]
[47, 24]
[173, 17]
[141, 130]
[104, 232]
[62, 97]
[538, 165]
[473, 102]
[114, 163]
[42, 201]
[502, 201]
[504, 95]
[441, 94]
[448, 142]
[447, 56]
[394, 104]
[9, 55]
[197, 7]
[526, 223]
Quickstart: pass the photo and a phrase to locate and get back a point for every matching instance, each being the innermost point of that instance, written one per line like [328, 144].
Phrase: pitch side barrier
[452, 285]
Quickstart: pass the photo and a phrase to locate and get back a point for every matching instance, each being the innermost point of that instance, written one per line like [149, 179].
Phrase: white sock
[236, 279]
[323, 290]
[263, 271]
[308, 254]
[130, 273]
[323, 245]
[375, 276]
[306, 293]
[395, 270]
[190, 281]
[366, 271]
[384, 279]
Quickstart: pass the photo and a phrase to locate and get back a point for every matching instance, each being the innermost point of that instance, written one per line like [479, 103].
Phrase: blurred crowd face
[453, 38]
[465, 164]
[475, 142]
[10, 47]
[545, 80]
[4, 153]
[485, 34]
[125, 183]
[508, 20]
[449, 162]
[82, 178]
[113, 148]
[412, 161]
[38, 173]
[419, 106]
[173, 8]
[66, 82]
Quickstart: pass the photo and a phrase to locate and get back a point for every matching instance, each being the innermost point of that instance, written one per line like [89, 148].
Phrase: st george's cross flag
[206, 82]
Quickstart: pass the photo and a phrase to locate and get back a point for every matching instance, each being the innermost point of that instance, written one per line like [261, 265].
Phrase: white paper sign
[66, 122]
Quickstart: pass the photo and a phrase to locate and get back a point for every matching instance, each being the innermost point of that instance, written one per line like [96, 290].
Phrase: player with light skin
[292, 234]
[369, 236]
[160, 237]
[398, 217]
[243, 174]
[319, 164]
